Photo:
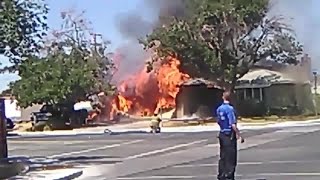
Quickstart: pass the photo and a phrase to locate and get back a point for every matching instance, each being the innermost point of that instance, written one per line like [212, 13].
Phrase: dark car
[65, 113]
[42, 115]
[10, 124]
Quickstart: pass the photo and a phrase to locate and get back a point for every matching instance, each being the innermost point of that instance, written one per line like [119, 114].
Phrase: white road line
[164, 150]
[213, 145]
[95, 149]
[33, 142]
[158, 177]
[213, 175]
[245, 163]
[288, 174]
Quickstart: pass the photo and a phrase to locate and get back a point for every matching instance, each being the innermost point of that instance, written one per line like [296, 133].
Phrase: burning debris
[145, 94]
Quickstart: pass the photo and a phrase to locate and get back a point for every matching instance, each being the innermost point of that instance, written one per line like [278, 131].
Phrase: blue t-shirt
[226, 117]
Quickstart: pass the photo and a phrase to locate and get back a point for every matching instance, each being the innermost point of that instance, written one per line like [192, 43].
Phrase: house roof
[199, 82]
[264, 77]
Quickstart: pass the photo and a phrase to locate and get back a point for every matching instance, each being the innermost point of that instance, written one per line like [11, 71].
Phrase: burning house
[166, 88]
[197, 98]
[145, 94]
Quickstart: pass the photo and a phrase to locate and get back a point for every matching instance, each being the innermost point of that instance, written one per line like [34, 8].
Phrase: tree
[68, 69]
[22, 27]
[222, 40]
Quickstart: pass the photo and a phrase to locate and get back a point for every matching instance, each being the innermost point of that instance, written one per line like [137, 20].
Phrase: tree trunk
[3, 138]
[233, 85]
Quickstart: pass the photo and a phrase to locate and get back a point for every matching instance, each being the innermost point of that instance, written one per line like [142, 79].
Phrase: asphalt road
[283, 153]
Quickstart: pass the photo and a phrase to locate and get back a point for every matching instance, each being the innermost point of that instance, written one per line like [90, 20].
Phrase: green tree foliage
[56, 78]
[222, 40]
[68, 70]
[22, 26]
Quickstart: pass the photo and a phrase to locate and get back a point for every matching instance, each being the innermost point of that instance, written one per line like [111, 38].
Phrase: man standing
[229, 133]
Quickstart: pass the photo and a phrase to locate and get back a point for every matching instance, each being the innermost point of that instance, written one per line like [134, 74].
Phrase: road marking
[213, 145]
[288, 174]
[214, 175]
[95, 149]
[164, 150]
[33, 142]
[158, 177]
[73, 142]
[46, 142]
[246, 163]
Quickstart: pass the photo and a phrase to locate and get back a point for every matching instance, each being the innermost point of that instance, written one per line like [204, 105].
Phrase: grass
[182, 123]
[277, 119]
[23, 126]
[27, 127]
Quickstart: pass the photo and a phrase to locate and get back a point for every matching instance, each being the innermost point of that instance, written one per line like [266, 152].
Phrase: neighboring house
[267, 92]
[197, 98]
[12, 110]
[276, 88]
[26, 112]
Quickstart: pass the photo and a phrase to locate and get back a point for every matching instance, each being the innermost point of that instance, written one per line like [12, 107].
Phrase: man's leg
[231, 159]
[222, 160]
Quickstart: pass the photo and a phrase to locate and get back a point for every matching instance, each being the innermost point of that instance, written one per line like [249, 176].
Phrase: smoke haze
[302, 15]
[304, 18]
[134, 25]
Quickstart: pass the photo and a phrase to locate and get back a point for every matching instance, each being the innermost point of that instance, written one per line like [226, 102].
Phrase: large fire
[146, 94]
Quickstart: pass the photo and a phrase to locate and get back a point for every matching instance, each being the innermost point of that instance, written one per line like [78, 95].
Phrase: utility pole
[315, 79]
[3, 132]
[95, 43]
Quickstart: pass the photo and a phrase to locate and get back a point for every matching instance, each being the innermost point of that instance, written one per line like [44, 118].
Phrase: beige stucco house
[267, 92]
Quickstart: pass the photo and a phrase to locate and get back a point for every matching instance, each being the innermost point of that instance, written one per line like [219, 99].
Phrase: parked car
[65, 113]
[10, 124]
[42, 115]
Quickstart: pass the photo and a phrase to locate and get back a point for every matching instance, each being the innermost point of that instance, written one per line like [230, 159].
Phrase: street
[273, 153]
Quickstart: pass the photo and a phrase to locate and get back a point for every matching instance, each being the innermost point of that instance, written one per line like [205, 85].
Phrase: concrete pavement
[185, 155]
[85, 151]
[294, 155]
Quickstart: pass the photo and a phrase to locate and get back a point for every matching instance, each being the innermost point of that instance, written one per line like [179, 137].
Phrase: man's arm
[233, 121]
[216, 115]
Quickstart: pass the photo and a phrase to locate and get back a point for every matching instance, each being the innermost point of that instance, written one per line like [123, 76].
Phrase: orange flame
[146, 93]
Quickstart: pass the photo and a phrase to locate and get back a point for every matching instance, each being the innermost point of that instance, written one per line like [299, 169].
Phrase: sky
[102, 14]
[303, 14]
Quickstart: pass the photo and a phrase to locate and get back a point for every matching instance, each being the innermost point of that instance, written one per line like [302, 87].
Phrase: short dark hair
[226, 95]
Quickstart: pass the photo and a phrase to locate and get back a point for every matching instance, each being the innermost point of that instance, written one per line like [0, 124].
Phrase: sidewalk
[85, 131]
[61, 174]
[23, 165]
[143, 126]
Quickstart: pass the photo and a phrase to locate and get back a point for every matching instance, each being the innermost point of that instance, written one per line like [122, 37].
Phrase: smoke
[135, 25]
[176, 8]
[130, 59]
[303, 17]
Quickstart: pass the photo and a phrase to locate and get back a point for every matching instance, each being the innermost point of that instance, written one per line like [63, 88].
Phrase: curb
[43, 135]
[110, 130]
[70, 176]
[20, 168]
[55, 175]
[59, 174]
